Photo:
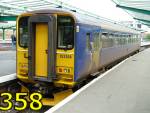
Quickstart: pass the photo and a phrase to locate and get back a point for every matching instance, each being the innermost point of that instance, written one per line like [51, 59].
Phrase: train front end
[45, 55]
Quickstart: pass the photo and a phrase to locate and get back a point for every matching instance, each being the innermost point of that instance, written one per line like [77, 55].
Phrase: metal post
[14, 31]
[3, 33]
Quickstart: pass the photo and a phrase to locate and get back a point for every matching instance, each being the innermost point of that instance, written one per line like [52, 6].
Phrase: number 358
[34, 97]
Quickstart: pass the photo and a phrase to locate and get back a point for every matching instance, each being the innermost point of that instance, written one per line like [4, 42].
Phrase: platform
[7, 62]
[145, 43]
[123, 89]
[6, 45]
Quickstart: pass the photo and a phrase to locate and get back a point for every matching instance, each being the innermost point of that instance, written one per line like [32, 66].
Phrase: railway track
[12, 86]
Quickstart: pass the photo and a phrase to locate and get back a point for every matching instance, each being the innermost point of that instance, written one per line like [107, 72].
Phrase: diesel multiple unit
[58, 49]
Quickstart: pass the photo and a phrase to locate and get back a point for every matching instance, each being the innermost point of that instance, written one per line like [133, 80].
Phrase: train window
[65, 32]
[111, 42]
[126, 40]
[105, 34]
[104, 40]
[88, 41]
[96, 37]
[23, 32]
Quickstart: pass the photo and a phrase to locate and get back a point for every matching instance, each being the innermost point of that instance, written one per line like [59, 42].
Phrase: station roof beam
[8, 18]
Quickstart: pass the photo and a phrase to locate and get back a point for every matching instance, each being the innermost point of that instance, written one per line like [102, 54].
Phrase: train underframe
[51, 94]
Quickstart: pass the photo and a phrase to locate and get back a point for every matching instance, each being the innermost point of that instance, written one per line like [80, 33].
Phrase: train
[58, 49]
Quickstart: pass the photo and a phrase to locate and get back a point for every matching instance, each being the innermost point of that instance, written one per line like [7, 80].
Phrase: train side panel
[111, 54]
[83, 56]
[86, 62]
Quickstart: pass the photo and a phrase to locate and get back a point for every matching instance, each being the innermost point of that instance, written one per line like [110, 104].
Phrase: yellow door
[41, 46]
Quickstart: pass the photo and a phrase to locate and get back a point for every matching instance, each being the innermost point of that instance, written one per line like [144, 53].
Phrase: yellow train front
[58, 49]
[45, 63]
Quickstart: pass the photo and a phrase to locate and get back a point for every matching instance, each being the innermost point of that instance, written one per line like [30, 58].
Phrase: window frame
[73, 22]
[88, 35]
[19, 42]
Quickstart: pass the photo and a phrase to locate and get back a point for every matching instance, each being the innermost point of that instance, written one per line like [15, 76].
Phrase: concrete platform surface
[126, 89]
[7, 62]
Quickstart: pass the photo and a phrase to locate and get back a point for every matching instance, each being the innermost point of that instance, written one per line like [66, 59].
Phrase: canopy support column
[3, 33]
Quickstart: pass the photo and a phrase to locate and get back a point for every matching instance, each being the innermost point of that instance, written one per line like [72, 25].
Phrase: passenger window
[104, 40]
[96, 41]
[88, 41]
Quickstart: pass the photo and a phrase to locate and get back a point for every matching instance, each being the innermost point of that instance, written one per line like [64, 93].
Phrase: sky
[104, 8]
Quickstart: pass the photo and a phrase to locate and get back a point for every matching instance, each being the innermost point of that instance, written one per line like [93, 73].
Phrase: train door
[95, 50]
[42, 48]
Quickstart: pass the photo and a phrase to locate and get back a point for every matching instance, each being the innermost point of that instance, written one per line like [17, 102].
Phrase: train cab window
[65, 32]
[23, 32]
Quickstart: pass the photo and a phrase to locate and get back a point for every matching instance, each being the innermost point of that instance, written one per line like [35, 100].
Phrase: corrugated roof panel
[139, 9]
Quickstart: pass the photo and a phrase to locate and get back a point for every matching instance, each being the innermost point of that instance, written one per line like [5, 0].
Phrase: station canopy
[10, 9]
[15, 7]
[138, 9]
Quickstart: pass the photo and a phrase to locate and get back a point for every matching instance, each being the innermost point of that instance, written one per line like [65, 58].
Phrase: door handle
[26, 56]
[46, 51]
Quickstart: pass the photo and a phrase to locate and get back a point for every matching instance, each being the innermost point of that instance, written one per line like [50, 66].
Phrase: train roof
[92, 20]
